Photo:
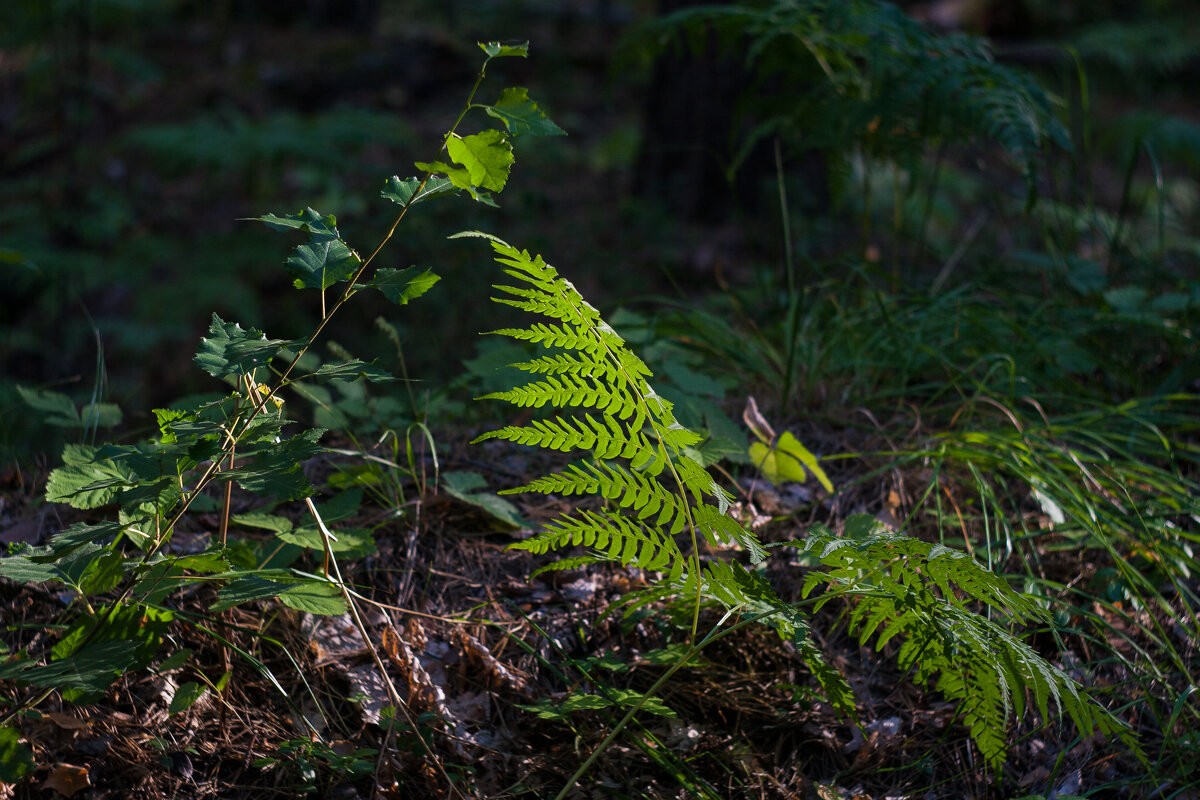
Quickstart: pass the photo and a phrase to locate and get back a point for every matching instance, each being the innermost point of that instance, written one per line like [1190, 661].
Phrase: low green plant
[319, 766]
[123, 570]
[660, 504]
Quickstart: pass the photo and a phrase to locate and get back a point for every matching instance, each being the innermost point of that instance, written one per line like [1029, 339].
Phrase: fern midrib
[681, 486]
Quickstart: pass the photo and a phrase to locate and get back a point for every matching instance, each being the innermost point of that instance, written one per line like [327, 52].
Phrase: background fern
[818, 87]
[643, 465]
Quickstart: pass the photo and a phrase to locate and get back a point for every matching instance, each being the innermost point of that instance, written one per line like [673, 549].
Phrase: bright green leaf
[314, 597]
[306, 220]
[231, 350]
[16, 760]
[351, 542]
[487, 156]
[521, 115]
[402, 285]
[499, 50]
[349, 371]
[84, 481]
[789, 449]
[321, 263]
[185, 696]
[460, 178]
[787, 460]
[402, 192]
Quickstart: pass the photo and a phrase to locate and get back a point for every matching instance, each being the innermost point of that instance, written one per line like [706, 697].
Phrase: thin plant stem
[793, 310]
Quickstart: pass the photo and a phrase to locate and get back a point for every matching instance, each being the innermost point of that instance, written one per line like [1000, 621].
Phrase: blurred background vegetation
[136, 133]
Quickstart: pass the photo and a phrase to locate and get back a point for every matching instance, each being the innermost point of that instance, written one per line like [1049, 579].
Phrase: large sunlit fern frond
[659, 502]
[639, 462]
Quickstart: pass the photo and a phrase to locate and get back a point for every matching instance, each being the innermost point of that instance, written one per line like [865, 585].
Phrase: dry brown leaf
[66, 721]
[67, 779]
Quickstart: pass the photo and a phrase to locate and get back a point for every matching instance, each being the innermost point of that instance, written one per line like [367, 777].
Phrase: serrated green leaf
[87, 483]
[76, 536]
[175, 660]
[791, 451]
[206, 562]
[306, 220]
[230, 349]
[75, 564]
[321, 263]
[57, 408]
[500, 50]
[313, 596]
[16, 760]
[244, 589]
[89, 672]
[350, 371]
[459, 177]
[136, 628]
[351, 542]
[521, 115]
[22, 569]
[186, 696]
[487, 156]
[276, 469]
[134, 623]
[158, 583]
[402, 191]
[267, 522]
[103, 575]
[402, 285]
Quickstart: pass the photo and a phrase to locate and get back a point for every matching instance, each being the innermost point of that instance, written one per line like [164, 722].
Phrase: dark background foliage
[137, 133]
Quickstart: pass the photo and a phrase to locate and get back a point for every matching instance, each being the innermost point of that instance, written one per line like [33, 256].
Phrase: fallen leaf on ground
[67, 779]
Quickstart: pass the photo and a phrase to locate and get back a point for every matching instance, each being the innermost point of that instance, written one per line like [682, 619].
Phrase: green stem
[793, 312]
